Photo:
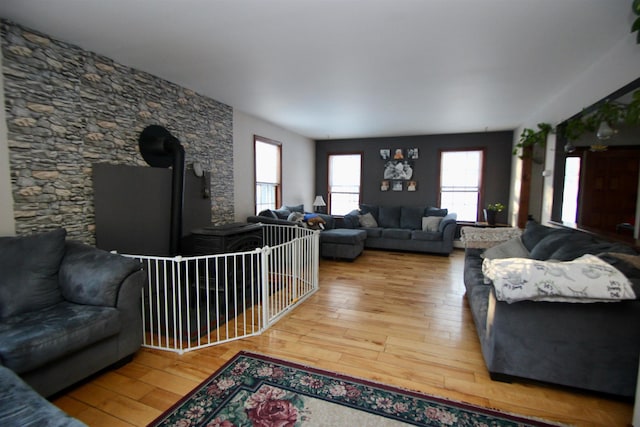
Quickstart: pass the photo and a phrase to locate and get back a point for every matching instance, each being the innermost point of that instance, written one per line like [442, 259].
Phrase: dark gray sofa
[67, 310]
[592, 346]
[403, 228]
[21, 406]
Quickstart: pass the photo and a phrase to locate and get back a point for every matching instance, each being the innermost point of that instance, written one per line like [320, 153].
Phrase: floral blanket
[585, 279]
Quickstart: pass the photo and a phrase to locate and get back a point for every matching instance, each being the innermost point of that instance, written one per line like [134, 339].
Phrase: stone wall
[68, 108]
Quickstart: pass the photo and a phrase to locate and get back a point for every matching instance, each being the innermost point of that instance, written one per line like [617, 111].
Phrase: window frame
[260, 139]
[329, 192]
[482, 169]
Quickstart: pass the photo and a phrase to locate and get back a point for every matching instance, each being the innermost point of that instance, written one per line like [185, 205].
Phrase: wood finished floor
[397, 318]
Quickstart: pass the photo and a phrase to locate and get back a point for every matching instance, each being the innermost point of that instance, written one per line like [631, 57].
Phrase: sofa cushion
[85, 280]
[431, 223]
[396, 233]
[432, 211]
[29, 271]
[389, 216]
[513, 248]
[372, 209]
[554, 241]
[343, 236]
[429, 236]
[351, 220]
[268, 213]
[367, 220]
[411, 217]
[374, 232]
[30, 340]
[282, 213]
[533, 233]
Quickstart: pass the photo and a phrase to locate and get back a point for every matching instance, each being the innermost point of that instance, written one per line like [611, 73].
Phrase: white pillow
[513, 248]
[431, 223]
[367, 220]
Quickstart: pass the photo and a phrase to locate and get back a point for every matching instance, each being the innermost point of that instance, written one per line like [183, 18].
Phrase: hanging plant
[530, 138]
[636, 24]
[611, 112]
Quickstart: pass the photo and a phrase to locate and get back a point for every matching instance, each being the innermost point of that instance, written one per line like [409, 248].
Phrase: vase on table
[490, 216]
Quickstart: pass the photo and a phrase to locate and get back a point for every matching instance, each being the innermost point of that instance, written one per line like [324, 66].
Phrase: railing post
[265, 254]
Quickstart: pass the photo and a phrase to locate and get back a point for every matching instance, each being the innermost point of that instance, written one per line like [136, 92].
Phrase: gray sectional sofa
[67, 310]
[406, 228]
[416, 229]
[592, 346]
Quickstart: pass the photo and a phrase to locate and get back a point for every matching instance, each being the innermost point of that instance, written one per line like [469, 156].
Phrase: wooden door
[609, 188]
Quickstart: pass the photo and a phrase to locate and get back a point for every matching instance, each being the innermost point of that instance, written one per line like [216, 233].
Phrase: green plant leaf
[636, 25]
[636, 6]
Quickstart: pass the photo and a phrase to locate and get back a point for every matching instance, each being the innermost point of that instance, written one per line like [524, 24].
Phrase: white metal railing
[199, 301]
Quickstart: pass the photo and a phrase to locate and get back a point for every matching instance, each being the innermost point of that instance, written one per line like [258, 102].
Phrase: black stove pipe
[161, 149]
[177, 194]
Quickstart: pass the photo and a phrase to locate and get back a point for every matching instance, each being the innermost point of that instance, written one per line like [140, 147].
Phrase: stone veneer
[67, 109]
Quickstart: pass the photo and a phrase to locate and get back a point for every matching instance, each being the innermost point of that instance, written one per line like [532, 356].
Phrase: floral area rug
[256, 390]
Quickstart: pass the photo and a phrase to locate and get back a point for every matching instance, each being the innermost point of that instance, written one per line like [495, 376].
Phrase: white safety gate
[194, 302]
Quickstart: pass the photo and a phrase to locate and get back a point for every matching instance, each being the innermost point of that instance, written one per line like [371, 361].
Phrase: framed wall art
[398, 169]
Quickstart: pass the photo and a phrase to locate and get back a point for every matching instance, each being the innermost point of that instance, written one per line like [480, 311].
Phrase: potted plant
[530, 138]
[491, 211]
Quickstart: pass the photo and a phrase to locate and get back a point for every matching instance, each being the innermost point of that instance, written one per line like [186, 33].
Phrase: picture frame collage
[398, 169]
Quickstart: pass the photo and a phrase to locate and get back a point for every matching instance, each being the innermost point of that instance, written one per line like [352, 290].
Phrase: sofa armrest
[92, 276]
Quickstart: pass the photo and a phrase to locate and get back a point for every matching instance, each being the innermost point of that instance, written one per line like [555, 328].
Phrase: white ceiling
[350, 68]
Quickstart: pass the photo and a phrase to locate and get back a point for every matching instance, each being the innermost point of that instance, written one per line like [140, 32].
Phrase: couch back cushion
[411, 217]
[389, 216]
[29, 272]
[533, 233]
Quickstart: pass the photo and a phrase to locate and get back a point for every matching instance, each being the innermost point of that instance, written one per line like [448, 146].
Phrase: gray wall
[426, 168]
[67, 109]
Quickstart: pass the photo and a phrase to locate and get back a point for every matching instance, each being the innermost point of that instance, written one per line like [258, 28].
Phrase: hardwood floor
[397, 318]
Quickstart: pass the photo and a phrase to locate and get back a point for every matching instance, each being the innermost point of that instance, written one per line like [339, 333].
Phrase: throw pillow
[367, 221]
[372, 209]
[431, 211]
[29, 272]
[296, 208]
[513, 248]
[431, 223]
[282, 213]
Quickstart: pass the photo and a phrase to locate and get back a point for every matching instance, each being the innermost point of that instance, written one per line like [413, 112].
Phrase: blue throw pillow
[431, 211]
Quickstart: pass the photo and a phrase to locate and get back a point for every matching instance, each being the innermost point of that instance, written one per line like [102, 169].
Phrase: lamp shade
[319, 201]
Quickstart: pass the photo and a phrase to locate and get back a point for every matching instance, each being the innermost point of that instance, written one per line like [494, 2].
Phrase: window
[571, 189]
[344, 183]
[460, 182]
[268, 156]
